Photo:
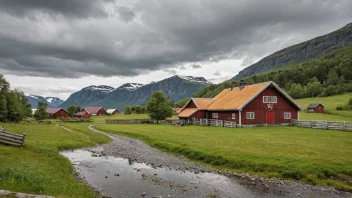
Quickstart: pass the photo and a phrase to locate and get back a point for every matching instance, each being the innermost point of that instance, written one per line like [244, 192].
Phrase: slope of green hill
[326, 75]
[301, 52]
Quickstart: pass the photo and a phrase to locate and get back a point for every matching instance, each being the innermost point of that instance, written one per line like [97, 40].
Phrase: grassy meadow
[330, 104]
[314, 156]
[38, 168]
[100, 119]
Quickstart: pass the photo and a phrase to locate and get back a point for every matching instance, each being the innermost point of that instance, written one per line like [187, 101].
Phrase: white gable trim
[191, 99]
[277, 88]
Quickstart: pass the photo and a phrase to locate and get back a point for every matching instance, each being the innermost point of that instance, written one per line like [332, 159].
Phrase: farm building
[96, 111]
[57, 113]
[177, 110]
[259, 104]
[113, 111]
[82, 115]
[315, 108]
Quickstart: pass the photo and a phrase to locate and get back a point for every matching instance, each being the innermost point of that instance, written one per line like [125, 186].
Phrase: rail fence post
[23, 139]
[310, 124]
[344, 126]
[327, 124]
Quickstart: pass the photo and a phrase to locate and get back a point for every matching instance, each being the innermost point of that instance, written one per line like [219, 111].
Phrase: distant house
[57, 113]
[259, 104]
[113, 111]
[315, 108]
[95, 111]
[82, 115]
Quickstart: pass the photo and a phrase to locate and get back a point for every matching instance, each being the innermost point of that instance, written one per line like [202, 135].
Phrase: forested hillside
[13, 103]
[326, 75]
[300, 53]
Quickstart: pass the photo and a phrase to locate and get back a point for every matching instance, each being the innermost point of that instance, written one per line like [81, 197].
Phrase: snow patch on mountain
[101, 88]
[130, 86]
[194, 79]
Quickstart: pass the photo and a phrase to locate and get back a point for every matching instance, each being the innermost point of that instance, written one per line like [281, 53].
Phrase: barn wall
[260, 108]
[191, 105]
[61, 113]
[223, 115]
[101, 112]
[319, 109]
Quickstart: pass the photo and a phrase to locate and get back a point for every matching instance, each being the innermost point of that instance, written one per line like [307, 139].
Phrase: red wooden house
[57, 113]
[315, 108]
[82, 115]
[96, 111]
[113, 111]
[259, 104]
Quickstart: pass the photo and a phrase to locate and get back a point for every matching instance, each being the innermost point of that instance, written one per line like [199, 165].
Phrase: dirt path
[138, 151]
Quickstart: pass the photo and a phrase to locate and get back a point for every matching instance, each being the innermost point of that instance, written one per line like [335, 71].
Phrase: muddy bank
[128, 168]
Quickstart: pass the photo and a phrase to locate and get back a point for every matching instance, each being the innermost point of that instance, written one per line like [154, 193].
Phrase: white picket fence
[323, 124]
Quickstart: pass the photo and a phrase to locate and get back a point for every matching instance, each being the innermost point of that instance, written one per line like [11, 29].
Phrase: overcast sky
[56, 47]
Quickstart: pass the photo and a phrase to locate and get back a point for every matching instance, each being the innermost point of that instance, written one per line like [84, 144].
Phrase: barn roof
[54, 110]
[314, 105]
[80, 113]
[187, 112]
[111, 110]
[201, 103]
[92, 110]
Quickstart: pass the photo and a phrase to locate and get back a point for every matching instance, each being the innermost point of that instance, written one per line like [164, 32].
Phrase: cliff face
[301, 52]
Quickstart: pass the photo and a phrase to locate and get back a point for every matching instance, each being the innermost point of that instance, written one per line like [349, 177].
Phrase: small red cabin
[113, 111]
[259, 104]
[82, 115]
[315, 108]
[54, 113]
[96, 111]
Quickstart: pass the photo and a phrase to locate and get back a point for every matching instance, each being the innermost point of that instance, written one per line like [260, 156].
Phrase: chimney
[242, 84]
[232, 85]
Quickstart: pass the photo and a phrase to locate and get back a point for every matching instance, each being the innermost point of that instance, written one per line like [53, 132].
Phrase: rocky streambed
[130, 168]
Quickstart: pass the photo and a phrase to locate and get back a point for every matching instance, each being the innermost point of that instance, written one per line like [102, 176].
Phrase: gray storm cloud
[75, 38]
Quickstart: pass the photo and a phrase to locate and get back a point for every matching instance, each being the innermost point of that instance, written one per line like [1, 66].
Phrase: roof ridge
[270, 81]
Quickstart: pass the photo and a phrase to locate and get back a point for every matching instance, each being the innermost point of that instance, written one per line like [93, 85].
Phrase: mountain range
[51, 101]
[175, 88]
[300, 53]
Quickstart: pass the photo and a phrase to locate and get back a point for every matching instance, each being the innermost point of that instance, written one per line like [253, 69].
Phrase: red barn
[113, 111]
[82, 115]
[315, 108]
[96, 111]
[57, 113]
[259, 104]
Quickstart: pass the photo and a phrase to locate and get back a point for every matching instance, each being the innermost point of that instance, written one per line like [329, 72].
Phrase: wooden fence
[11, 139]
[170, 121]
[129, 121]
[213, 122]
[323, 124]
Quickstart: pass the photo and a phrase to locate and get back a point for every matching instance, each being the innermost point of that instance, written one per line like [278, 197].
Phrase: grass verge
[38, 168]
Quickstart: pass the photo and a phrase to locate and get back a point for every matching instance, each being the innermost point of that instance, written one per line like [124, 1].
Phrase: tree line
[327, 75]
[14, 106]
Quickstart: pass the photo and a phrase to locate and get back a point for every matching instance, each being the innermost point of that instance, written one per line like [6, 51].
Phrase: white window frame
[233, 116]
[287, 115]
[269, 99]
[215, 115]
[250, 115]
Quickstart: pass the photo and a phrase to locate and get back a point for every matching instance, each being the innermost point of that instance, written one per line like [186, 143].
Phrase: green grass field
[38, 168]
[314, 156]
[330, 104]
[98, 119]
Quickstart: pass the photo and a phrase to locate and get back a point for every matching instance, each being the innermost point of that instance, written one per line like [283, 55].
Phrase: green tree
[159, 107]
[333, 78]
[350, 101]
[73, 109]
[314, 89]
[330, 91]
[4, 90]
[128, 110]
[296, 90]
[40, 113]
[138, 109]
[14, 108]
